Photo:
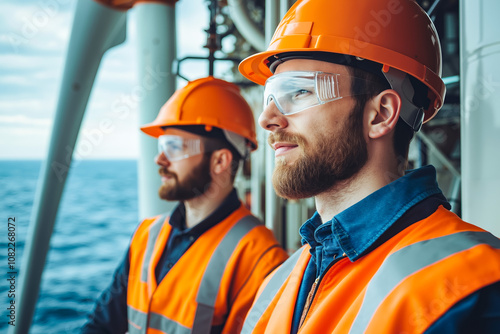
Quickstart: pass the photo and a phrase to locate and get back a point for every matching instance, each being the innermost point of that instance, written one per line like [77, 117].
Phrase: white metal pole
[156, 32]
[249, 29]
[285, 6]
[258, 178]
[294, 219]
[295, 215]
[274, 217]
[96, 28]
[480, 112]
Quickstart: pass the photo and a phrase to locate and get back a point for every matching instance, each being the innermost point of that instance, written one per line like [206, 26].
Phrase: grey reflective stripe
[154, 230]
[407, 261]
[137, 321]
[203, 318]
[270, 290]
[166, 325]
[210, 283]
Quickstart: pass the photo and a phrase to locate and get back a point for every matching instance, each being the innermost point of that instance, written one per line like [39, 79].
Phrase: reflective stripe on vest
[138, 321]
[209, 285]
[166, 325]
[409, 260]
[154, 231]
[270, 290]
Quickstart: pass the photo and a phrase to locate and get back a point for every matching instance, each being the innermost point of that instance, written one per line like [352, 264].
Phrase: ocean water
[97, 216]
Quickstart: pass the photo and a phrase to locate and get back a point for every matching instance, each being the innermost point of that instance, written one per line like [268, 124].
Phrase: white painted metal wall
[480, 112]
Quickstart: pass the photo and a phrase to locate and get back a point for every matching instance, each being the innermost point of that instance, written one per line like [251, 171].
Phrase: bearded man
[346, 86]
[197, 269]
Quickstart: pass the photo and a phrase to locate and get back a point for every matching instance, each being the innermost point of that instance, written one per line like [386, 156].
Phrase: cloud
[38, 25]
[23, 137]
[108, 137]
[23, 120]
[26, 78]
[118, 68]
[18, 143]
[24, 62]
[19, 109]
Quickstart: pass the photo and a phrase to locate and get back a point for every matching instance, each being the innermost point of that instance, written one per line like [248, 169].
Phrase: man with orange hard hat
[346, 86]
[197, 269]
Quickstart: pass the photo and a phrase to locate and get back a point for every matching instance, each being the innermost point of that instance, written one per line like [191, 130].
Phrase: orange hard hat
[208, 101]
[397, 34]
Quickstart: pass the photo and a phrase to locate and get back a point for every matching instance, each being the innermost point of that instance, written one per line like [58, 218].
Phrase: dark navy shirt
[181, 237]
[375, 219]
[110, 312]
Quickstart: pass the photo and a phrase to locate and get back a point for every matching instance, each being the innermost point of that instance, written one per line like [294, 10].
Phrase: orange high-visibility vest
[212, 284]
[403, 286]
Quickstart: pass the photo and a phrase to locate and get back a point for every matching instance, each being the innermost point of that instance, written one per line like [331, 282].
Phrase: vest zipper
[309, 299]
[314, 288]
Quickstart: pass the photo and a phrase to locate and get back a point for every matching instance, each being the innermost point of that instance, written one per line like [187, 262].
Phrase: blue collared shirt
[367, 224]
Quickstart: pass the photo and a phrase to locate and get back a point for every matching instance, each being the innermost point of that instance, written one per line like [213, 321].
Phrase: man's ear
[383, 114]
[221, 160]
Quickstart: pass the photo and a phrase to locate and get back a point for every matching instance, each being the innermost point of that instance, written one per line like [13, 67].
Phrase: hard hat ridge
[209, 102]
[397, 34]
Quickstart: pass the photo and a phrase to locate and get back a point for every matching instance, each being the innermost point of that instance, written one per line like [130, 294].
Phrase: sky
[34, 37]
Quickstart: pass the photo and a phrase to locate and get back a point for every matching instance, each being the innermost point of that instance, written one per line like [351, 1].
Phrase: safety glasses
[177, 148]
[295, 91]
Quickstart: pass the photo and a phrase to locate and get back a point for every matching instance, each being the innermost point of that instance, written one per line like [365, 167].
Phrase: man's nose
[271, 118]
[161, 160]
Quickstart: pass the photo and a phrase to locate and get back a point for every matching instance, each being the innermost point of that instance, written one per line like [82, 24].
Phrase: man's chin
[290, 184]
[292, 193]
[165, 193]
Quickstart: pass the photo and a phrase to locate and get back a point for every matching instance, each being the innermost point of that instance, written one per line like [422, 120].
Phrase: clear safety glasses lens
[296, 91]
[177, 148]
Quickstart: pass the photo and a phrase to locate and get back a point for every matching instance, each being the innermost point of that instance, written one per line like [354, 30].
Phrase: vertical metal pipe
[212, 41]
[294, 219]
[273, 210]
[431, 148]
[258, 177]
[295, 214]
[454, 197]
[245, 25]
[285, 6]
[431, 10]
[96, 28]
[272, 18]
[480, 112]
[157, 52]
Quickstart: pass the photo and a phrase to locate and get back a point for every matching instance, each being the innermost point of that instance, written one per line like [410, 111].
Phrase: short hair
[214, 140]
[213, 144]
[371, 86]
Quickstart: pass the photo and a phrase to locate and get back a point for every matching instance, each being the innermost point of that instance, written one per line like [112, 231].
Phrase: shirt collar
[178, 218]
[359, 226]
[308, 229]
